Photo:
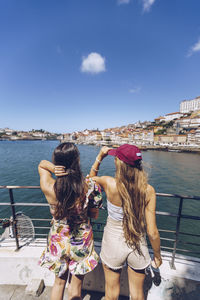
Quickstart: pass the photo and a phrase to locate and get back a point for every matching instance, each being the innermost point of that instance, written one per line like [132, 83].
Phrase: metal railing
[98, 227]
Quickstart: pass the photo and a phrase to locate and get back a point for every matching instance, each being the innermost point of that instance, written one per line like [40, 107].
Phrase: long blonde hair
[132, 187]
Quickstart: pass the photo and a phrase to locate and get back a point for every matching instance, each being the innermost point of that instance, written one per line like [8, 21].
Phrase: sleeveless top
[115, 212]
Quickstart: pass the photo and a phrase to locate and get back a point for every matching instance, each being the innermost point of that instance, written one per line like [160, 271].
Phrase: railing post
[176, 234]
[14, 218]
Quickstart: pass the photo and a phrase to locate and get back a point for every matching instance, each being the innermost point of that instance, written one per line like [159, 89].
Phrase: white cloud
[135, 90]
[94, 63]
[123, 2]
[147, 4]
[194, 49]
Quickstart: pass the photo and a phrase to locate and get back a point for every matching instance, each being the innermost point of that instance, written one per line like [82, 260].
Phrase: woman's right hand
[104, 151]
[156, 262]
[60, 171]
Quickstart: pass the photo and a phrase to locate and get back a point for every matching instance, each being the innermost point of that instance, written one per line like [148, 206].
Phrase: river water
[168, 172]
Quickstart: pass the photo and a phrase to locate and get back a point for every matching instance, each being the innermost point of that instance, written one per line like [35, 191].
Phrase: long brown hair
[132, 186]
[69, 189]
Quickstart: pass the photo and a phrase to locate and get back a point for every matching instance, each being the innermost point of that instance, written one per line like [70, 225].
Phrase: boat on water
[21, 246]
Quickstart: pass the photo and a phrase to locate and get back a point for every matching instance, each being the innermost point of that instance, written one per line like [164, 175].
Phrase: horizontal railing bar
[190, 217]
[183, 233]
[189, 234]
[19, 187]
[23, 204]
[166, 239]
[158, 194]
[183, 250]
[26, 204]
[47, 220]
[178, 196]
[40, 227]
[164, 213]
[188, 243]
[41, 234]
[165, 230]
[165, 247]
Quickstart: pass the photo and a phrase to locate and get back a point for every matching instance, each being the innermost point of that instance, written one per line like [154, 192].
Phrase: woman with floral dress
[72, 200]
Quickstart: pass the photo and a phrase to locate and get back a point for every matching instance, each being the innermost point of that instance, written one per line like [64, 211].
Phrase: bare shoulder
[150, 190]
[103, 180]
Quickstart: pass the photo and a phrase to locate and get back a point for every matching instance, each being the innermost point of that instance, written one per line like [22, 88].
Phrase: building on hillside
[183, 122]
[188, 122]
[156, 128]
[171, 116]
[195, 122]
[145, 137]
[197, 136]
[106, 135]
[170, 139]
[159, 119]
[8, 131]
[195, 113]
[194, 136]
[188, 106]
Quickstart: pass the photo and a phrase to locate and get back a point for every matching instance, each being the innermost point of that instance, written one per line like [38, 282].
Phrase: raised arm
[95, 167]
[94, 212]
[152, 230]
[45, 169]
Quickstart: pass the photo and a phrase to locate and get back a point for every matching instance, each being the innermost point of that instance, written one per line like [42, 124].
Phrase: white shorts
[115, 252]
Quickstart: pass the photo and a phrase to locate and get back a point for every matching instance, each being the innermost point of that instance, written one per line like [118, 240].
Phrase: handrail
[99, 225]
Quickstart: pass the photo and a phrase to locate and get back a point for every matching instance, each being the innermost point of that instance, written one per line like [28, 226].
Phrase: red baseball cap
[127, 153]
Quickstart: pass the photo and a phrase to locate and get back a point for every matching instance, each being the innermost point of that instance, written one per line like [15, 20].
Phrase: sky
[71, 65]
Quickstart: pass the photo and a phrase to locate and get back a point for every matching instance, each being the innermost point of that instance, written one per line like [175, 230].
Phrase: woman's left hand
[60, 171]
[156, 262]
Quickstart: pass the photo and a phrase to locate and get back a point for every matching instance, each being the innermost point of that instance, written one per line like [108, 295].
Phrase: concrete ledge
[35, 287]
[20, 267]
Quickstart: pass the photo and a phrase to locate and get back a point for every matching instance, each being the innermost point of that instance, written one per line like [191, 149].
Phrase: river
[168, 172]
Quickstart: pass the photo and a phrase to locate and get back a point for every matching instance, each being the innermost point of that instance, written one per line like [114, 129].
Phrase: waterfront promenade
[18, 292]
[19, 269]
[178, 278]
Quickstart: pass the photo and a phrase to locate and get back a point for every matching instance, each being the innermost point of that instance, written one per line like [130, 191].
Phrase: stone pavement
[17, 292]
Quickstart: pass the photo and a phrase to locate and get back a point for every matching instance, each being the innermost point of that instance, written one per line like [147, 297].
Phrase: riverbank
[14, 139]
[168, 148]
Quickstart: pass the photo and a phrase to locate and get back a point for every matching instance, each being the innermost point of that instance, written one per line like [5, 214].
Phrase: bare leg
[112, 283]
[58, 288]
[136, 281]
[75, 287]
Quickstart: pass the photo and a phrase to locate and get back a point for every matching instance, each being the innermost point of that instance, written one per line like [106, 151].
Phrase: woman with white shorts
[131, 204]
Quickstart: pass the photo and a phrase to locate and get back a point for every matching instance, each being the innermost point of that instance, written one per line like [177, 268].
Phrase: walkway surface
[17, 292]
[20, 268]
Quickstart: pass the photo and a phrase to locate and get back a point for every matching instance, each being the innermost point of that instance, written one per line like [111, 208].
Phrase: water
[168, 172]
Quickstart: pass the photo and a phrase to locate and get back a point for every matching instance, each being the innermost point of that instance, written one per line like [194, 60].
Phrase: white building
[188, 122]
[187, 106]
[172, 116]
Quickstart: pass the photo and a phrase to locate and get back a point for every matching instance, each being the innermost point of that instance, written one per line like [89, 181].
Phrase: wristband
[99, 161]
[96, 170]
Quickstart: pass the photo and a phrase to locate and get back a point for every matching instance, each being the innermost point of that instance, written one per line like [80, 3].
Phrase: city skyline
[90, 64]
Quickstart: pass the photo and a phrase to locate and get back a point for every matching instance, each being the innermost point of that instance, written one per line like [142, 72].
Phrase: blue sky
[74, 64]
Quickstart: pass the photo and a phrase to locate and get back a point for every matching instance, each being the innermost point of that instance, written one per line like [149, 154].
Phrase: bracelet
[94, 169]
[99, 161]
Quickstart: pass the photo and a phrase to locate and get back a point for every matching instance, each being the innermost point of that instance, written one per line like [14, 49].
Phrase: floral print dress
[73, 250]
